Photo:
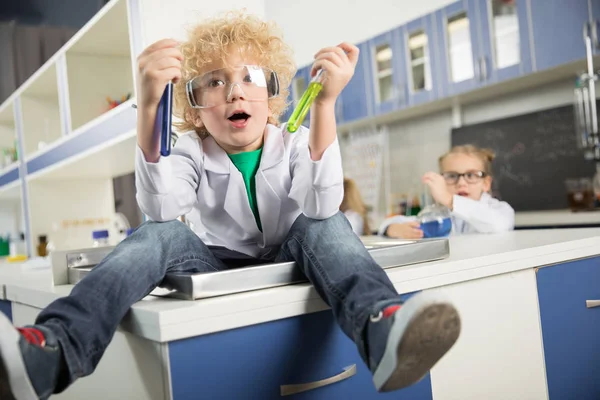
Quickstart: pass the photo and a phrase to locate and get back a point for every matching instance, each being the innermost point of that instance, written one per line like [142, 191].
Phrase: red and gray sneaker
[30, 362]
[405, 340]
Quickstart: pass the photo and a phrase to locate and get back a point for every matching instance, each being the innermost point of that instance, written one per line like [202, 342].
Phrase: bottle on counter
[100, 238]
[42, 249]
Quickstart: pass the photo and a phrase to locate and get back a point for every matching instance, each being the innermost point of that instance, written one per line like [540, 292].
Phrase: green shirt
[247, 163]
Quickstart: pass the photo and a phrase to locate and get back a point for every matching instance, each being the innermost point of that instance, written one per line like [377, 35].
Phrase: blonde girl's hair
[353, 201]
[485, 155]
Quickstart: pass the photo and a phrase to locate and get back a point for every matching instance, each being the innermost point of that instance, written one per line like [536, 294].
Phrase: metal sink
[69, 267]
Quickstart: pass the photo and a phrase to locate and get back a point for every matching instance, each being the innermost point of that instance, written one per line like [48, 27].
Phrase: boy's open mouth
[463, 193]
[239, 119]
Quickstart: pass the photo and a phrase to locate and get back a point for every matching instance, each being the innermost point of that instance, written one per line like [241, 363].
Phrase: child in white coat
[262, 195]
[463, 186]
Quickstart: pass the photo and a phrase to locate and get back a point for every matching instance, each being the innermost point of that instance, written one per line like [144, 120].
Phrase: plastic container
[436, 221]
[100, 238]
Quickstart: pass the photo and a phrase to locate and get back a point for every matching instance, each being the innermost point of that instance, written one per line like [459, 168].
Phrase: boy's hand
[157, 65]
[338, 63]
[439, 189]
[406, 230]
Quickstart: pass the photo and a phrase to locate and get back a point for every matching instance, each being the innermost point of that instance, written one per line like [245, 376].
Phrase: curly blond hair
[211, 41]
[485, 155]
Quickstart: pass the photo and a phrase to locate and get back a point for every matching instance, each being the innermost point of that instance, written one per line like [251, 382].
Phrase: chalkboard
[535, 154]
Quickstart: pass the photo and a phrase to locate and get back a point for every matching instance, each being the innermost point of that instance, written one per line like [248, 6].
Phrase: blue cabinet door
[505, 40]
[571, 331]
[459, 44]
[253, 362]
[355, 100]
[420, 60]
[387, 78]
[557, 28]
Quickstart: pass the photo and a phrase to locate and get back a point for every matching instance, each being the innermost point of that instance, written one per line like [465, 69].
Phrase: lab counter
[521, 295]
[563, 219]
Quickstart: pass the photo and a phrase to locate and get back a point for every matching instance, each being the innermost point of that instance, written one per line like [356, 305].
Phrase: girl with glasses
[463, 186]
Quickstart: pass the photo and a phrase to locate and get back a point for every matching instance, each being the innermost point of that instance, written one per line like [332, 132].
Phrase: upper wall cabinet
[421, 60]
[557, 28]
[353, 102]
[505, 51]
[388, 74]
[459, 42]
[464, 46]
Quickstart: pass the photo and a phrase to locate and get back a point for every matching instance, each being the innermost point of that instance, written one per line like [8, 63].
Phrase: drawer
[254, 362]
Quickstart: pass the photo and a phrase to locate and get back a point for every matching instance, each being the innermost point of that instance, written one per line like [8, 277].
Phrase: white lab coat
[488, 215]
[199, 175]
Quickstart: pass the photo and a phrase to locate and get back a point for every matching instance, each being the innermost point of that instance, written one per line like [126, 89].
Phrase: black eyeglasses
[452, 178]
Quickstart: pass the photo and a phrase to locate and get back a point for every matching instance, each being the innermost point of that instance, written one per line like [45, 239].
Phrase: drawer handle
[592, 303]
[287, 390]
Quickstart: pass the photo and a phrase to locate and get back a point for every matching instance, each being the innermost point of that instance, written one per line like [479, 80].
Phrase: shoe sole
[425, 328]
[14, 381]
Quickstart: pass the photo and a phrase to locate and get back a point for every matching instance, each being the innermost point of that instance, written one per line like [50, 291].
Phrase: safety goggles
[214, 88]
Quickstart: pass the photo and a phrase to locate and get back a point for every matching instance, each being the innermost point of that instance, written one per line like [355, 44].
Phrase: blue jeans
[331, 256]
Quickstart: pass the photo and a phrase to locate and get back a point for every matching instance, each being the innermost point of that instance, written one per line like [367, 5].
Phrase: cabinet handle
[484, 75]
[591, 81]
[592, 303]
[287, 390]
[478, 69]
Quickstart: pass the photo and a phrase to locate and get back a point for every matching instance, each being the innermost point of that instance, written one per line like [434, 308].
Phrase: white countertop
[556, 217]
[471, 257]
[34, 273]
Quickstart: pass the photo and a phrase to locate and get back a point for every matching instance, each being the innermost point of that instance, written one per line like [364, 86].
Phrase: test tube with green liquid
[313, 89]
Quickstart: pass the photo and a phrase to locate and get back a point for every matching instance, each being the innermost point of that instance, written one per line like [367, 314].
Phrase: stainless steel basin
[70, 267]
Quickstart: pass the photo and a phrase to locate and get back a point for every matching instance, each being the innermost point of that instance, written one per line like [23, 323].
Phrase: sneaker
[27, 352]
[404, 341]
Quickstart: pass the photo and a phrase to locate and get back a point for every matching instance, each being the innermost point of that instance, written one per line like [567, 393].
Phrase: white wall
[171, 19]
[10, 217]
[310, 25]
[56, 204]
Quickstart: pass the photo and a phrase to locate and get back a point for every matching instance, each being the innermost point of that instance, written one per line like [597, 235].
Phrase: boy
[262, 194]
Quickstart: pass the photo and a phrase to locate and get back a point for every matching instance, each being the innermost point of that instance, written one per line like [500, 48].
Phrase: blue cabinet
[459, 43]
[505, 51]
[6, 308]
[571, 331]
[557, 28]
[483, 42]
[420, 60]
[253, 362]
[459, 48]
[387, 72]
[354, 101]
